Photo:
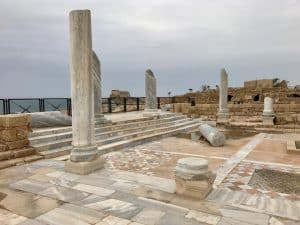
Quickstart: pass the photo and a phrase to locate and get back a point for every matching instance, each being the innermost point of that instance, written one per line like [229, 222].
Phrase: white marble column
[268, 115]
[223, 114]
[151, 98]
[96, 68]
[84, 158]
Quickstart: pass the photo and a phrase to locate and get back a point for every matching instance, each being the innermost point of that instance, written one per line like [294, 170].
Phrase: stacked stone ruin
[14, 142]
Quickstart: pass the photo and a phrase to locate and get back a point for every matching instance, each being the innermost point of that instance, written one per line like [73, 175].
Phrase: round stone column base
[192, 178]
[83, 168]
[83, 153]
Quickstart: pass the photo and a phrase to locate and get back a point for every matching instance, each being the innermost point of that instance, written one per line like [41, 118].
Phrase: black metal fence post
[109, 105]
[137, 104]
[8, 106]
[69, 106]
[4, 106]
[41, 105]
[125, 104]
[158, 102]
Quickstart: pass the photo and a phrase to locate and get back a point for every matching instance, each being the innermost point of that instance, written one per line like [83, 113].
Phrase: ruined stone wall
[285, 113]
[14, 143]
[243, 95]
[14, 130]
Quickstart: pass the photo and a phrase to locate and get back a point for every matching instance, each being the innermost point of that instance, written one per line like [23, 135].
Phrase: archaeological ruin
[222, 156]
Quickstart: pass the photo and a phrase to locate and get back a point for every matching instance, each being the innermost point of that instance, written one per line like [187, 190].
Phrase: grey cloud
[185, 43]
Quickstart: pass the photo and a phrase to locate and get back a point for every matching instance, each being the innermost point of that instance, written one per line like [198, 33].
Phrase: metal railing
[109, 105]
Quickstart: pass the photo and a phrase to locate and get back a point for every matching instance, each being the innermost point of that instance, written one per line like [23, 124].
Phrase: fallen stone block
[212, 135]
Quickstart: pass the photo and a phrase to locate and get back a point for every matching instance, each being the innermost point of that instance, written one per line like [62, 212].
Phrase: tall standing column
[151, 98]
[96, 68]
[223, 114]
[83, 157]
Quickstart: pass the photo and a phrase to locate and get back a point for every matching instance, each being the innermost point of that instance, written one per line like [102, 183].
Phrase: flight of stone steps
[54, 142]
[277, 206]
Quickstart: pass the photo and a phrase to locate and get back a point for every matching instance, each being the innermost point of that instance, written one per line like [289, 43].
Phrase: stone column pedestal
[223, 114]
[84, 156]
[268, 115]
[192, 178]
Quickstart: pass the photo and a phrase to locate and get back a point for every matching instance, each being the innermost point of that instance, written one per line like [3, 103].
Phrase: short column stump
[192, 178]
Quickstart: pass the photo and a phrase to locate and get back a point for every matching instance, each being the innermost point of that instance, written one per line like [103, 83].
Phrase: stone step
[143, 139]
[125, 143]
[48, 138]
[49, 131]
[139, 133]
[60, 143]
[51, 145]
[56, 152]
[136, 124]
[106, 127]
[109, 134]
[19, 161]
[58, 136]
[18, 153]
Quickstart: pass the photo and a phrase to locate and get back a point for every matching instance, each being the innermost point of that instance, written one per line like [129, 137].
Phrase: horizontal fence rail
[109, 105]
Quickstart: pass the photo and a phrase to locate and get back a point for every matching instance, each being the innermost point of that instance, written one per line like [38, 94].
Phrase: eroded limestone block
[212, 135]
[14, 120]
[50, 119]
[192, 178]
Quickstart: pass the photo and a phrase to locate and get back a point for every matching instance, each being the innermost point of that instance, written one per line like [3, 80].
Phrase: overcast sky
[184, 42]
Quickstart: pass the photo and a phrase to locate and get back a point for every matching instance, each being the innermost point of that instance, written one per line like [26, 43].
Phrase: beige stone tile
[148, 216]
[8, 218]
[112, 220]
[203, 217]
[94, 190]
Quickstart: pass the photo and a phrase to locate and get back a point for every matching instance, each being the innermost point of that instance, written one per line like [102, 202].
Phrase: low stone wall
[14, 130]
[14, 142]
[285, 113]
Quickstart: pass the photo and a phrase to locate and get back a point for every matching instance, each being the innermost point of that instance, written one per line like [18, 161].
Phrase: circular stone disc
[193, 163]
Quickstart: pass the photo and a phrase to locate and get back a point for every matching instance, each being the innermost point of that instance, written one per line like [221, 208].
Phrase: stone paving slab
[148, 216]
[94, 190]
[58, 217]
[94, 180]
[31, 186]
[116, 207]
[203, 217]
[8, 218]
[245, 216]
[64, 194]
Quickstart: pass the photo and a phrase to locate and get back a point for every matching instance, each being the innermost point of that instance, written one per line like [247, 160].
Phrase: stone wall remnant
[14, 142]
